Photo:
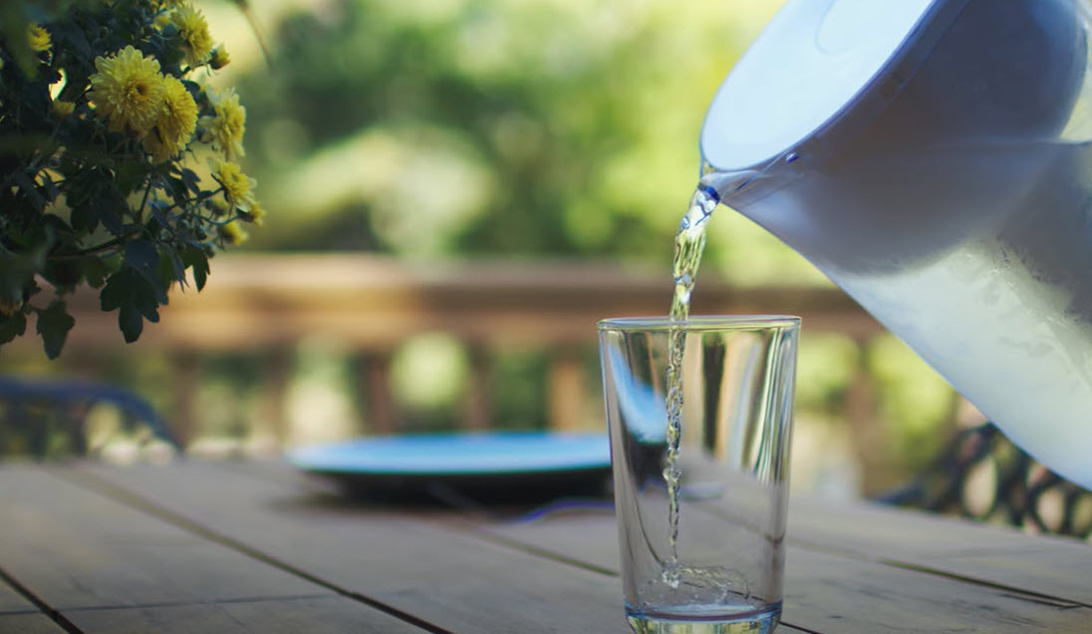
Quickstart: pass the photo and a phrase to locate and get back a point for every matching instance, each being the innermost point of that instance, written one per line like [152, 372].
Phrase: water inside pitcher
[934, 159]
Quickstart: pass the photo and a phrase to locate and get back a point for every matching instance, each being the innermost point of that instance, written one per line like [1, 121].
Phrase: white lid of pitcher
[806, 66]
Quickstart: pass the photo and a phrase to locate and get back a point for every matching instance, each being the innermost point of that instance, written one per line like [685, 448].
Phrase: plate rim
[300, 458]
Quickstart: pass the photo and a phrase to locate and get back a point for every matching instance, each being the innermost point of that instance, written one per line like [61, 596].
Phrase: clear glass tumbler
[713, 562]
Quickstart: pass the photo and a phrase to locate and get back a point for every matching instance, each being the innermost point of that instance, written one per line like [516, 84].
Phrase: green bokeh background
[433, 129]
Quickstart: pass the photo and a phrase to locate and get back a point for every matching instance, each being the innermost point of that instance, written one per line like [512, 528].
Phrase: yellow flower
[234, 233]
[236, 184]
[225, 128]
[38, 38]
[128, 91]
[63, 109]
[177, 121]
[256, 213]
[194, 30]
[220, 58]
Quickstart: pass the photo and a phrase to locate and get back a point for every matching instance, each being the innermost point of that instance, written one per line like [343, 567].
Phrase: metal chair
[37, 407]
[1022, 493]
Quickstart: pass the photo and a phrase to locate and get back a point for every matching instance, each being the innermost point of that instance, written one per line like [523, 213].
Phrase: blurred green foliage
[516, 128]
[539, 127]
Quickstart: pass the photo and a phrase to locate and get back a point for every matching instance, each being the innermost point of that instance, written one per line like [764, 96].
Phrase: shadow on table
[516, 499]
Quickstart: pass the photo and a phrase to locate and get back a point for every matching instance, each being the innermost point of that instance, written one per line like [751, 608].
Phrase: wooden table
[255, 547]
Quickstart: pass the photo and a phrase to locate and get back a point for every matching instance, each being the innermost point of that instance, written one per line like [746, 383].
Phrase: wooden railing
[371, 305]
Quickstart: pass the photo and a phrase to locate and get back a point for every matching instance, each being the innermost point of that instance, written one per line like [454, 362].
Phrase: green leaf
[195, 258]
[63, 274]
[12, 326]
[116, 291]
[142, 256]
[177, 189]
[53, 325]
[84, 218]
[111, 209]
[17, 273]
[82, 187]
[131, 176]
[130, 323]
[96, 270]
[144, 259]
[73, 36]
[171, 268]
[192, 181]
[49, 188]
[29, 189]
[134, 297]
[95, 199]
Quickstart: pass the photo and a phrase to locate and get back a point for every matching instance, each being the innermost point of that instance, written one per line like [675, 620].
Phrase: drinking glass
[722, 571]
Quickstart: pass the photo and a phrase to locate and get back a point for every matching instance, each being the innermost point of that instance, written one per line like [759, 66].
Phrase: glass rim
[700, 322]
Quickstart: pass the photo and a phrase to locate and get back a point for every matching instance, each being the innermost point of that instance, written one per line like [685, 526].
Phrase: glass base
[758, 621]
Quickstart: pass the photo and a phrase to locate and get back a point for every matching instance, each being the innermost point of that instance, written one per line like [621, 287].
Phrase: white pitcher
[933, 158]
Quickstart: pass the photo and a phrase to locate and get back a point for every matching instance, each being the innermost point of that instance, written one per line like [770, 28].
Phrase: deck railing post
[566, 391]
[270, 432]
[478, 400]
[186, 367]
[380, 410]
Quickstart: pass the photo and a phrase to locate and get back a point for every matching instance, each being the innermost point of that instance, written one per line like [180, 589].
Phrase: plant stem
[144, 201]
[203, 196]
[98, 248]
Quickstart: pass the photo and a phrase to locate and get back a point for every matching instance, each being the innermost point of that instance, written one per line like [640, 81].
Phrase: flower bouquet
[117, 161]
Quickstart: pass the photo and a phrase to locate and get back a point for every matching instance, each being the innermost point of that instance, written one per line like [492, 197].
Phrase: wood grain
[74, 548]
[457, 581]
[1052, 566]
[830, 592]
[459, 572]
[28, 624]
[12, 602]
[327, 615]
[1036, 565]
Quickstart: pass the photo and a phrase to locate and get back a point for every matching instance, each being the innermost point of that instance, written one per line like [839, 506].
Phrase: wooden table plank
[1040, 565]
[1053, 566]
[11, 602]
[449, 578]
[37, 623]
[72, 548]
[828, 592]
[326, 615]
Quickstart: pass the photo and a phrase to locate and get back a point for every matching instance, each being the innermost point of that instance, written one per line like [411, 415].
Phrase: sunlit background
[506, 131]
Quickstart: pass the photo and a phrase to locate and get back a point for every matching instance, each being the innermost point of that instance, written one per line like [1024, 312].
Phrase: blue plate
[496, 461]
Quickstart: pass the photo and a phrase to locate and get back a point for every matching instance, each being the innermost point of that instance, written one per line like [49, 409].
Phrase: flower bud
[220, 58]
